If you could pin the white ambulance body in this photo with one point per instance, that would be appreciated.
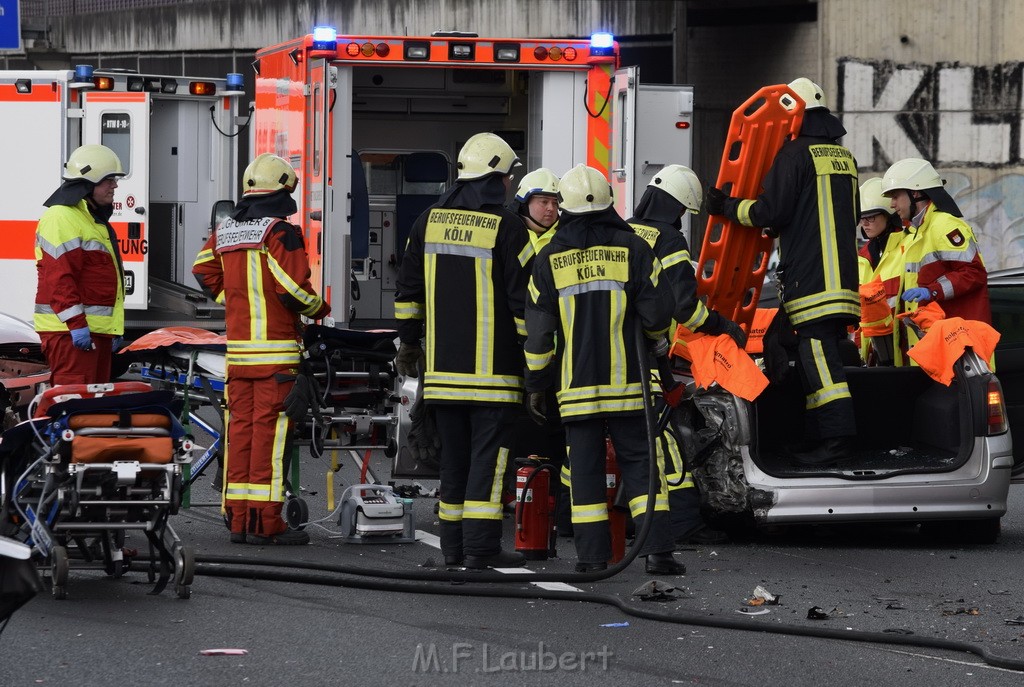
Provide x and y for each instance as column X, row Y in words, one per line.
column 173, row 136
column 373, row 126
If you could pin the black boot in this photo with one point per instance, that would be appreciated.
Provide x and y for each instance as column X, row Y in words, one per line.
column 832, row 451
column 663, row 563
column 502, row 559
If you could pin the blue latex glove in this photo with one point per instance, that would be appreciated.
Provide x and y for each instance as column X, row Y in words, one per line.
column 917, row 294
column 81, row 338
column 116, row 343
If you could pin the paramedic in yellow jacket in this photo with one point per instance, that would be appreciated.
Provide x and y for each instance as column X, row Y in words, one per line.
column 79, row 310
column 255, row 264
column 881, row 257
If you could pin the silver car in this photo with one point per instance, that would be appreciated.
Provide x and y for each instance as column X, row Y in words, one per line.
column 925, row 453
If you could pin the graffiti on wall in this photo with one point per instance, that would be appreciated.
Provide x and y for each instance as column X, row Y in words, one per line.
column 966, row 120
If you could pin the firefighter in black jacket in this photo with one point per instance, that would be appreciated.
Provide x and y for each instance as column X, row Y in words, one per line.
column 462, row 278
column 810, row 202
column 671, row 194
column 589, row 286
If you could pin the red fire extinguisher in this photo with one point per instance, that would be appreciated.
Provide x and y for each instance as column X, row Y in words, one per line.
column 535, row 509
column 616, row 518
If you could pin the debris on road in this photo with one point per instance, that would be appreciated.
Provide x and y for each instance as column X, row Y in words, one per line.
column 816, row 613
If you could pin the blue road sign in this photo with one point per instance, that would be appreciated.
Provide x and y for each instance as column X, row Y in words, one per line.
column 10, row 25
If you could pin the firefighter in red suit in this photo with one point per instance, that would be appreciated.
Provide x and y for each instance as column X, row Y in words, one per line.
column 79, row 309
column 255, row 263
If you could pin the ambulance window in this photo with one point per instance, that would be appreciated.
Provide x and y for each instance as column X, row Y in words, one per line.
column 395, row 174
column 115, row 133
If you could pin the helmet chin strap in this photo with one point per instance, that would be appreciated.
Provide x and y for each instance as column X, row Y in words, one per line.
column 543, row 226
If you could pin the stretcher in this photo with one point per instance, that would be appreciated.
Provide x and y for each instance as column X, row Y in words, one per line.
column 734, row 258
column 360, row 400
column 94, row 463
column 191, row 363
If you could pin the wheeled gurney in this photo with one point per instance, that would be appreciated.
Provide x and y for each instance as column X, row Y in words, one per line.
column 94, row 463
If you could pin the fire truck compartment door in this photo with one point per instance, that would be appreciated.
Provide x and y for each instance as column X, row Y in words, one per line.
column 120, row 121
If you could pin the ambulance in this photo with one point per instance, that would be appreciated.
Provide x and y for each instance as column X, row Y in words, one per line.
column 373, row 126
column 176, row 138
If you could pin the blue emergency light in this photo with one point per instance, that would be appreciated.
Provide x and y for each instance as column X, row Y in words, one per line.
column 602, row 44
column 234, row 85
column 325, row 38
column 82, row 77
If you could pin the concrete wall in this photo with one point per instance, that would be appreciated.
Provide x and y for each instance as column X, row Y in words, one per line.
column 944, row 85
column 253, row 24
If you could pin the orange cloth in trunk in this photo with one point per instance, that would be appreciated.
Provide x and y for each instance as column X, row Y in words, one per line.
column 719, row 359
column 945, row 343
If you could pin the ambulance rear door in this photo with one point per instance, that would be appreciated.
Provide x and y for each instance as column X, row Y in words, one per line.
column 337, row 238
column 120, row 121
column 651, row 128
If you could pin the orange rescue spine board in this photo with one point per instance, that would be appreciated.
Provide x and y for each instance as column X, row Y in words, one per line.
column 734, row 258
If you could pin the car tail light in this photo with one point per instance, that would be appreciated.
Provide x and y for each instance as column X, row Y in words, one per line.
column 996, row 408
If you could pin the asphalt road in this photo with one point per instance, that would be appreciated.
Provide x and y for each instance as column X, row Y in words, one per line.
column 879, row 581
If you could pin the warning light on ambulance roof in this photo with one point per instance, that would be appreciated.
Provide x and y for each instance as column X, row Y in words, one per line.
column 352, row 49
column 325, row 38
column 569, row 54
column 103, row 83
column 202, row 87
column 460, row 51
column 83, row 76
column 602, row 44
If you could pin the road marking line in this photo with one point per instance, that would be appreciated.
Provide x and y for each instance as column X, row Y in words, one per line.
column 435, row 541
column 951, row 660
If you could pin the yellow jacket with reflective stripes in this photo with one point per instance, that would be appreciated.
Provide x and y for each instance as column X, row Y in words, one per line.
column 80, row 282
column 263, row 281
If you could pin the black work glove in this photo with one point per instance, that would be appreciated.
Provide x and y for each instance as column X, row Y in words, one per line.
column 424, row 442
column 305, row 394
column 714, row 202
column 408, row 360
column 537, row 407
column 717, row 324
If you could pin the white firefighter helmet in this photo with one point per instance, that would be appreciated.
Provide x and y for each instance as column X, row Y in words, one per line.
column 809, row 92
column 94, row 163
column 541, row 181
column 682, row 184
column 871, row 199
column 910, row 174
column 584, row 189
column 267, row 174
column 485, row 154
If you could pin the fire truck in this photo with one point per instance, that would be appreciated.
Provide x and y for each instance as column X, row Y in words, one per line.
column 373, row 125
column 176, row 138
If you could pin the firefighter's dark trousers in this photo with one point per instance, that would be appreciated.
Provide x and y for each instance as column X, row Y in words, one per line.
column 585, row 441
column 828, row 404
column 475, row 441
